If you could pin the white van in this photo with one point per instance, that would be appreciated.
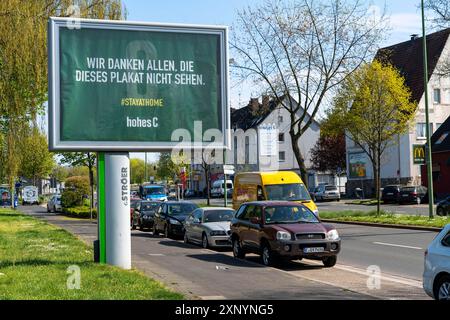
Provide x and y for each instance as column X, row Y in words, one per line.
column 218, row 188
column 30, row 195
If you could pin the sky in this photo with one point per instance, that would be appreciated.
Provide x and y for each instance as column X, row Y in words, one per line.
column 405, row 19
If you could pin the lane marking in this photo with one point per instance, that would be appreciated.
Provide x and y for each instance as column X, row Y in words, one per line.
column 156, row 254
column 397, row 245
column 212, row 298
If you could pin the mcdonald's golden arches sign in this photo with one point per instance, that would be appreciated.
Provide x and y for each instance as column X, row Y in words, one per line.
column 418, row 153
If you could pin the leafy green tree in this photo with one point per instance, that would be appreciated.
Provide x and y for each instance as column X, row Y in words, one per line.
column 23, row 66
column 75, row 190
column 169, row 166
column 35, row 159
column 372, row 107
column 137, row 168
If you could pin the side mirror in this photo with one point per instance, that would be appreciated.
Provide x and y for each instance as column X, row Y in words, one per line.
column 255, row 220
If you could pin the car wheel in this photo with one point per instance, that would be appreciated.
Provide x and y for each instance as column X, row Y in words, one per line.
column 205, row 244
column 440, row 212
column 267, row 255
column 442, row 288
column 329, row 261
column 238, row 252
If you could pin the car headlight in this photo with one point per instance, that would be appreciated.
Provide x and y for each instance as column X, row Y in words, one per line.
column 218, row 233
column 332, row 235
column 283, row 235
column 173, row 221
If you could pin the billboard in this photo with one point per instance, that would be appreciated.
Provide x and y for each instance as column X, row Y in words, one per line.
column 126, row 86
column 357, row 165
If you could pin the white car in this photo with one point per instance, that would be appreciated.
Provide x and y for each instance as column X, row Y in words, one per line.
column 54, row 204
column 436, row 275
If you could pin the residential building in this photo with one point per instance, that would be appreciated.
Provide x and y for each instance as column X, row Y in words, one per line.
column 397, row 165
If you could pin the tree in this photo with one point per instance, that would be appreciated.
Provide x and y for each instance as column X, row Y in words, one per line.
column 137, row 171
column 75, row 190
column 300, row 51
column 169, row 166
column 373, row 107
column 328, row 154
column 87, row 160
column 23, row 65
column 35, row 159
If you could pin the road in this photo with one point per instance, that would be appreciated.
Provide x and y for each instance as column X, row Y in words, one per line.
column 209, row 274
column 410, row 209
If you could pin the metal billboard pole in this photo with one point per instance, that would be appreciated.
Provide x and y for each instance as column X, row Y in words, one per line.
column 427, row 120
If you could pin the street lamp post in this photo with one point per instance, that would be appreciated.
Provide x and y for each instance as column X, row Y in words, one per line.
column 429, row 162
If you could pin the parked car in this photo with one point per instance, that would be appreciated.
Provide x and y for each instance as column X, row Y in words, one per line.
column 443, row 207
column 391, row 193
column 327, row 192
column 170, row 216
column 209, row 227
column 413, row 194
column 134, row 216
column 172, row 194
column 283, row 229
column 54, row 204
column 436, row 275
column 218, row 189
column 146, row 214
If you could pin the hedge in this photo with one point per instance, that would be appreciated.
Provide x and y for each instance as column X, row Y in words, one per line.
column 80, row 212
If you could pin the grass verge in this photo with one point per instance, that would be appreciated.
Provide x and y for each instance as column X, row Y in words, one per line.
column 385, row 218
column 34, row 261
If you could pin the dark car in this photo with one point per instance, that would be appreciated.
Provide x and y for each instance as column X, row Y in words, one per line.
column 134, row 216
column 170, row 217
column 146, row 214
column 443, row 207
column 391, row 193
column 413, row 194
column 287, row 230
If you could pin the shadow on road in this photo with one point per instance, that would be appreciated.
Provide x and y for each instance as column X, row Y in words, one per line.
column 225, row 260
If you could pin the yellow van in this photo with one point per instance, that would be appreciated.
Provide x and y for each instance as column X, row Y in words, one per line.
column 277, row 185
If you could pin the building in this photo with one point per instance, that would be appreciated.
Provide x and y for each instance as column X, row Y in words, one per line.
column 397, row 164
column 440, row 153
column 261, row 142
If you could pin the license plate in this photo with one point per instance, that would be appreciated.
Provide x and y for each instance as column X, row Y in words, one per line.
column 405, row 195
column 313, row 250
column 390, row 194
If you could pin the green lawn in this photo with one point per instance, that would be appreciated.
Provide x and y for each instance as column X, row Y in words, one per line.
column 35, row 256
column 385, row 217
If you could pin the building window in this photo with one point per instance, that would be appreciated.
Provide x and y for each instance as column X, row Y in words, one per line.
column 421, row 130
column 281, row 156
column 280, row 119
column 437, row 95
column 281, row 137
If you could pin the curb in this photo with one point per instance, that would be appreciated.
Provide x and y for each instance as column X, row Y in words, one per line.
column 383, row 225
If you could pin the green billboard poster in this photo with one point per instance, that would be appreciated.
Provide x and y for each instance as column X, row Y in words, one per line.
column 116, row 85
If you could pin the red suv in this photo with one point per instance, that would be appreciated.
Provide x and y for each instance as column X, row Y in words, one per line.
column 282, row 229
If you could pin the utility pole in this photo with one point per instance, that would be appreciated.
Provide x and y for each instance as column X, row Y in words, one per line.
column 427, row 120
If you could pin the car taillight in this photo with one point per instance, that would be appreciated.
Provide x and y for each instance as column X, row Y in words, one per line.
column 414, row 193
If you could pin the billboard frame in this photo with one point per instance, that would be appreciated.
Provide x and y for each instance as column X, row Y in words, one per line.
column 54, row 107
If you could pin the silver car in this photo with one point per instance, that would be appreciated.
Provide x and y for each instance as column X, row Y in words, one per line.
column 209, row 226
column 327, row 192
column 54, row 204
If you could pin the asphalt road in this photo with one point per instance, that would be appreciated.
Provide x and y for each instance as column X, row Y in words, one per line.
column 210, row 274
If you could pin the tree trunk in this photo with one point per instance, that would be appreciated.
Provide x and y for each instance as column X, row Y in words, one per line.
column 378, row 182
column 376, row 174
column 299, row 158
column 208, row 195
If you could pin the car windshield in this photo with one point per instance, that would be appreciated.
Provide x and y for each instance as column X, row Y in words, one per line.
column 291, row 192
column 154, row 190
column 289, row 214
column 218, row 215
column 149, row 206
column 180, row 209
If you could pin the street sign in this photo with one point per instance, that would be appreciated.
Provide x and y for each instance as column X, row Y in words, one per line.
column 418, row 153
column 127, row 86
